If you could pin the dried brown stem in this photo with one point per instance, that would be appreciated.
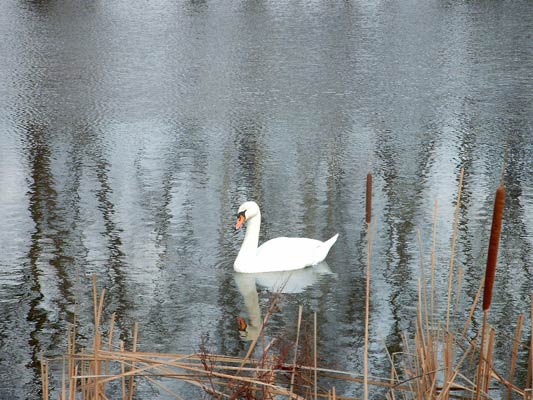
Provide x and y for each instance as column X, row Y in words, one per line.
column 514, row 356
column 454, row 239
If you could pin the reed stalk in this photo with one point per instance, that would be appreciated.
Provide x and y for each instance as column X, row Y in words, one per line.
column 71, row 350
column 422, row 282
column 514, row 354
column 530, row 363
column 433, row 256
column 448, row 384
column 44, row 378
column 63, row 378
column 315, row 355
column 459, row 287
column 529, row 377
column 109, row 345
column 367, row 300
column 454, row 240
column 97, row 305
column 132, row 368
column 123, row 373
column 296, row 349
column 474, row 305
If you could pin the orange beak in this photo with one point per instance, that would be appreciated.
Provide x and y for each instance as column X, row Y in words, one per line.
column 240, row 221
column 241, row 324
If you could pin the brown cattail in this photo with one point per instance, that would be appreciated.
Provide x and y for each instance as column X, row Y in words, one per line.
column 369, row 197
column 492, row 257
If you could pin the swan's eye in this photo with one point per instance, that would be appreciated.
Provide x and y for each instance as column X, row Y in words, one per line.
column 242, row 214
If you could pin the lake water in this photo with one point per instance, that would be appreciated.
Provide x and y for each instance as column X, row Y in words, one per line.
column 132, row 130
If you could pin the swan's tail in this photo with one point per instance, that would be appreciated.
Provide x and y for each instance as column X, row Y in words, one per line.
column 331, row 242
column 323, row 250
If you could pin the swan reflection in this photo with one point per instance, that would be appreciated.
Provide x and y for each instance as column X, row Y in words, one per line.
column 276, row 282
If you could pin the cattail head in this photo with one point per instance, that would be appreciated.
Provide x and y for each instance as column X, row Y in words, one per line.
column 369, row 198
column 494, row 243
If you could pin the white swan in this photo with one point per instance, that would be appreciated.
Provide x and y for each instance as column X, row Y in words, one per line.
column 280, row 254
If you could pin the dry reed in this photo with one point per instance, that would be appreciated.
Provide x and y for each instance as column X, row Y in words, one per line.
column 315, row 355
column 435, row 363
column 266, row 377
column 514, row 354
column 530, row 363
column 433, row 252
column 454, row 240
column 367, row 295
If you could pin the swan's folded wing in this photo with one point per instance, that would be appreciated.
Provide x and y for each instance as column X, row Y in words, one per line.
column 289, row 253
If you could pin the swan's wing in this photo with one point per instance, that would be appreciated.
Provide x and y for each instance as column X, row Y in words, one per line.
column 289, row 253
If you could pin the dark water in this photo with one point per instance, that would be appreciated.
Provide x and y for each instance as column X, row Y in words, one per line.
column 132, row 130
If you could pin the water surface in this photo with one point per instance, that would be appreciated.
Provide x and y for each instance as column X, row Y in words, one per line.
column 131, row 131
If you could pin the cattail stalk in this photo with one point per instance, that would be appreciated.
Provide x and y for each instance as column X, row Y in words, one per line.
column 490, row 272
column 369, row 198
column 367, row 303
column 489, row 362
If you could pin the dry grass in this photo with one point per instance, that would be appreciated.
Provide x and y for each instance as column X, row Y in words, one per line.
column 437, row 363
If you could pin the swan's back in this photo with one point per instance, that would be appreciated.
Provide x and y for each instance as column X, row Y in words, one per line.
column 285, row 254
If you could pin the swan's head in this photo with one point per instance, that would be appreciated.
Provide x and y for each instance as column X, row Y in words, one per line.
column 246, row 211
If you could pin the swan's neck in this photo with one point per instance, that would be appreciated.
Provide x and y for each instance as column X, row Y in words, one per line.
column 251, row 238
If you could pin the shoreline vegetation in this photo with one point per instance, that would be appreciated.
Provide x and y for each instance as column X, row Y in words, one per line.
column 437, row 361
